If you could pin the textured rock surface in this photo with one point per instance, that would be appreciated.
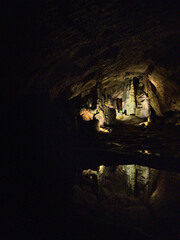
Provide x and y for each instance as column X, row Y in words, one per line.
column 129, row 98
column 70, row 45
column 142, row 100
column 110, row 115
column 57, row 55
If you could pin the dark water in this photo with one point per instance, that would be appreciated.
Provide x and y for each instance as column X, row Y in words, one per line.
column 155, row 146
column 151, row 212
column 42, row 164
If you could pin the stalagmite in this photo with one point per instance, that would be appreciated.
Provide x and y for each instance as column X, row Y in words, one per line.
column 130, row 104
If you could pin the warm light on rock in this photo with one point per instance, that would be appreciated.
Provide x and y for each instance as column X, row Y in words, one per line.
column 86, row 114
column 91, row 118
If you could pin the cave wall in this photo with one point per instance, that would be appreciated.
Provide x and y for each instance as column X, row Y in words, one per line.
column 64, row 47
column 142, row 102
column 58, row 51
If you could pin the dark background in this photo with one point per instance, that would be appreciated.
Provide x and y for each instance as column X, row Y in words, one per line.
column 37, row 168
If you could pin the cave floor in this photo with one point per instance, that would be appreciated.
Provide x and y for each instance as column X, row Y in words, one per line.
column 130, row 142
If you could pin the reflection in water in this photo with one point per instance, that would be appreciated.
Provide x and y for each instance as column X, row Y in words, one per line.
column 131, row 197
column 115, row 183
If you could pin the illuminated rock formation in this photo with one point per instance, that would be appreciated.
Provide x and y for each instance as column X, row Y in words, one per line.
column 71, row 67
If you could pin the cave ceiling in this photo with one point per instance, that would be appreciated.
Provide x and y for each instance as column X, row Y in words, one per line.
column 71, row 45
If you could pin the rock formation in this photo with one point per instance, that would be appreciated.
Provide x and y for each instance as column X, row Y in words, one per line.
column 90, row 83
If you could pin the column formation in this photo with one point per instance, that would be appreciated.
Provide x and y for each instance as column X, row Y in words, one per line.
column 132, row 102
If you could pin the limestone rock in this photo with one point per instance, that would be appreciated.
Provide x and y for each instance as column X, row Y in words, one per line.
column 110, row 115
column 129, row 98
column 143, row 105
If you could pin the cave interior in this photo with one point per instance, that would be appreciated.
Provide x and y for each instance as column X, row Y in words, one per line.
column 93, row 124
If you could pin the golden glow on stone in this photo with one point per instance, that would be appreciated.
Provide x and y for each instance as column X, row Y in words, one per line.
column 86, row 114
column 88, row 172
column 104, row 130
column 143, row 123
column 145, row 152
column 101, row 169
